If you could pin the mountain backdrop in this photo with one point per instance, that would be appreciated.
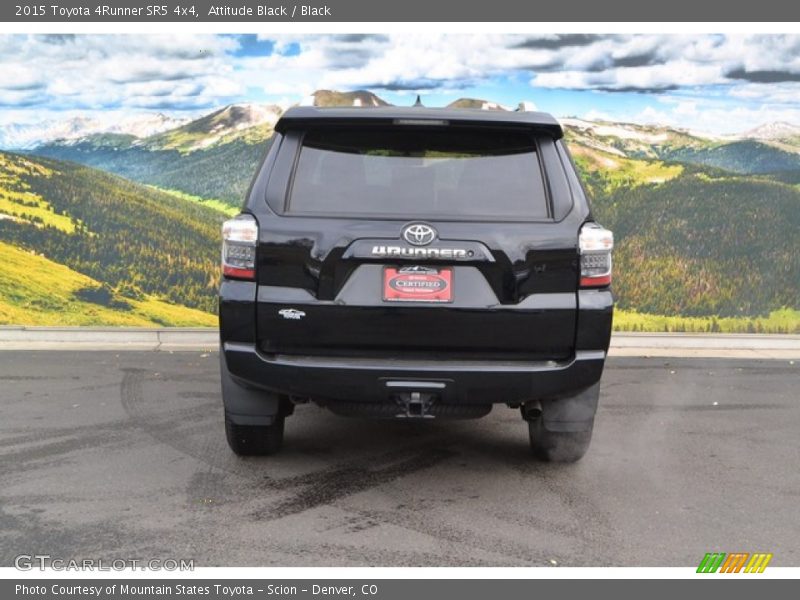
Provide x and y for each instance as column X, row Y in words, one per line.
column 707, row 227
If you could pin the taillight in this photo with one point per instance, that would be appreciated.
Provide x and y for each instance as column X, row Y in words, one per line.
column 239, row 238
column 596, row 244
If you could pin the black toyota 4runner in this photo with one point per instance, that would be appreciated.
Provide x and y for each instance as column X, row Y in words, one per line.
column 415, row 263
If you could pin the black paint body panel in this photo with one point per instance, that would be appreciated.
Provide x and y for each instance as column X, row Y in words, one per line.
column 518, row 327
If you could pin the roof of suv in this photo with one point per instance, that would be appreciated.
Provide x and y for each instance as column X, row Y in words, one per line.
column 307, row 115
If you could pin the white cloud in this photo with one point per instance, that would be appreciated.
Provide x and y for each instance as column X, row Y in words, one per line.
column 107, row 72
column 777, row 93
column 759, row 74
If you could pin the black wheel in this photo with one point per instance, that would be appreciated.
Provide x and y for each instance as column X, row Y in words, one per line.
column 558, row 446
column 255, row 440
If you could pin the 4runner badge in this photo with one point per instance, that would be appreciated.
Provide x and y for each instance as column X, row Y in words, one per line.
column 291, row 313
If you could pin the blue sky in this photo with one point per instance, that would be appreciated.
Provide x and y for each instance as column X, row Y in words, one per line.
column 714, row 83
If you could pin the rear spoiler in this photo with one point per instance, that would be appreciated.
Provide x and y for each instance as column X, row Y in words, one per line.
column 309, row 116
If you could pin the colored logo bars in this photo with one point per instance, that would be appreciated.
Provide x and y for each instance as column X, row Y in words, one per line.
column 735, row 562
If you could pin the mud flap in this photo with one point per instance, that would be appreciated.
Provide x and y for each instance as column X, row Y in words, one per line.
column 246, row 406
column 571, row 413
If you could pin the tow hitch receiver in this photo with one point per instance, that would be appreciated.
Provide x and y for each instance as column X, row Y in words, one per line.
column 415, row 398
column 415, row 404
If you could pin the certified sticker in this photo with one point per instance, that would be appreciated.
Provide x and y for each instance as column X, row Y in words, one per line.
column 418, row 284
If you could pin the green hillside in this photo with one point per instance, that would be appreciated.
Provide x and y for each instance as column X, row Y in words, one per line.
column 705, row 228
column 604, row 173
column 632, row 140
column 743, row 156
column 38, row 291
column 695, row 242
column 133, row 244
column 214, row 156
column 220, row 171
column 785, row 320
column 248, row 123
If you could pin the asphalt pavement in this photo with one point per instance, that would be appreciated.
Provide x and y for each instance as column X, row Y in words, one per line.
column 123, row 455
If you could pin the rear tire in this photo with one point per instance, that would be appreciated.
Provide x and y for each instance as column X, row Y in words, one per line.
column 255, row 440
column 558, row 446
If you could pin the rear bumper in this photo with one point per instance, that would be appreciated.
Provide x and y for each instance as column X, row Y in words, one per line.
column 372, row 380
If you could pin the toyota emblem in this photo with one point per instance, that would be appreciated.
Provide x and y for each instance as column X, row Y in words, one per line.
column 419, row 234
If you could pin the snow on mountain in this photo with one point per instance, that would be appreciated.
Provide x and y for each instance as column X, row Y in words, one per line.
column 625, row 131
column 209, row 129
column 773, row 131
column 145, row 125
column 19, row 136
column 25, row 136
column 655, row 134
column 219, row 126
column 361, row 98
column 243, row 116
column 477, row 103
column 235, row 118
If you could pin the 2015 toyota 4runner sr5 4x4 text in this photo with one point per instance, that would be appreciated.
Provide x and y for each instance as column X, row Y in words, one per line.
column 415, row 263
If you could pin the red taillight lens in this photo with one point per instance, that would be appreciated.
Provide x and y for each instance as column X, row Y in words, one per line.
column 239, row 239
column 595, row 244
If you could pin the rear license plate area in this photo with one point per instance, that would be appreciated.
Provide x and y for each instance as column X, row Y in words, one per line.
column 417, row 283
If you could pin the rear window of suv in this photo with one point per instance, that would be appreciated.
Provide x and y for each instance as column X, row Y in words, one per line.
column 418, row 172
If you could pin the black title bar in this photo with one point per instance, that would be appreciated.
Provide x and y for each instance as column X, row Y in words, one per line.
column 467, row 11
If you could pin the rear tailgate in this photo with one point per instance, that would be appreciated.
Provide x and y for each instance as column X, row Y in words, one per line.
column 339, row 227
column 501, row 306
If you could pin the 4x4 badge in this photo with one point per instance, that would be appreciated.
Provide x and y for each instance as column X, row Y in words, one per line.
column 419, row 234
column 291, row 313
